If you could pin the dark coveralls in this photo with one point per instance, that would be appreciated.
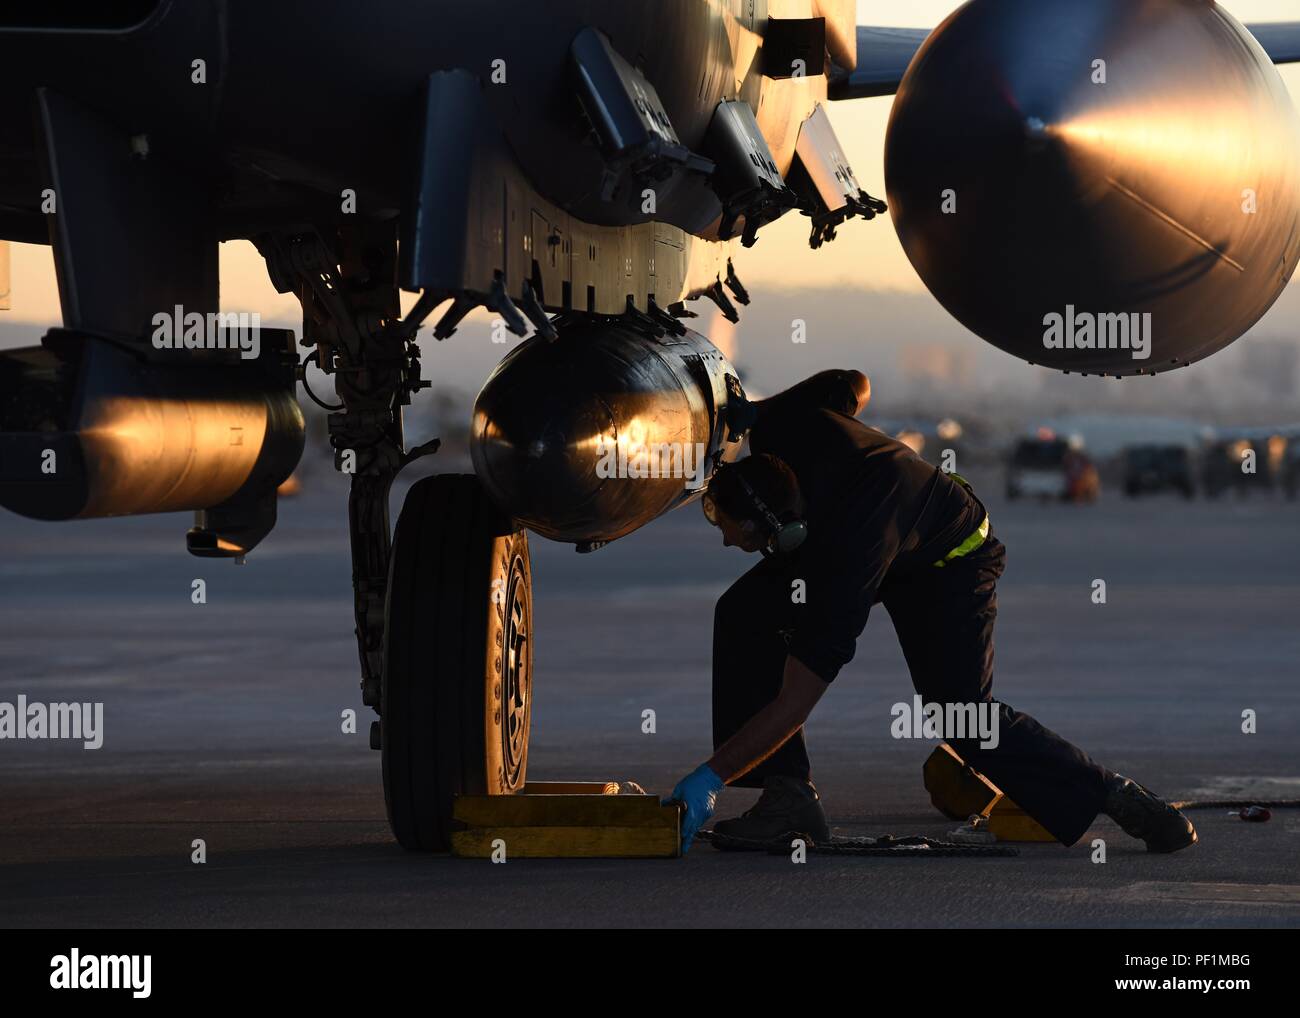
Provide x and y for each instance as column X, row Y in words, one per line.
column 879, row 517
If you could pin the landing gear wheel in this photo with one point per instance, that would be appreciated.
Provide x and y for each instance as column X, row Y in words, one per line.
column 458, row 658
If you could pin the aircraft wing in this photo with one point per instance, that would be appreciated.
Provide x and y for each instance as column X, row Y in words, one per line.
column 884, row 53
column 1281, row 40
column 883, row 56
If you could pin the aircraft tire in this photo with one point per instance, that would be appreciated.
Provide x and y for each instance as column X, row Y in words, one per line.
column 457, row 686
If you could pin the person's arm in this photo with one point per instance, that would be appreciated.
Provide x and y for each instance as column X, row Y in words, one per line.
column 760, row 737
column 766, row 732
column 846, row 391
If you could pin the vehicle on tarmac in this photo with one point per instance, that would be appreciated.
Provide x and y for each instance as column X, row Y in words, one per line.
column 1255, row 461
column 1291, row 470
column 1049, row 468
column 1152, row 469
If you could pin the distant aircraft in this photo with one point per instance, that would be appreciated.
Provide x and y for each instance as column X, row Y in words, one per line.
column 1109, row 187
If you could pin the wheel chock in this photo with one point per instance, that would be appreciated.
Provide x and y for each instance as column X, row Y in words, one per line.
column 566, row 820
column 1011, row 823
column 570, row 788
column 958, row 791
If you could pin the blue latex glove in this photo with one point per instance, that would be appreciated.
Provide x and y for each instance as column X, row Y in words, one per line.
column 699, row 791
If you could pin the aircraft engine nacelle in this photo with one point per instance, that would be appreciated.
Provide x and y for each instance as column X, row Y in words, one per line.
column 1110, row 187
column 90, row 427
column 592, row 435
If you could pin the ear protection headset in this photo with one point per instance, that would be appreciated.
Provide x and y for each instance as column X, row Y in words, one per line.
column 783, row 538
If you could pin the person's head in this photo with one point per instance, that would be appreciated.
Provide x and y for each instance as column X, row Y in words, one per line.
column 739, row 493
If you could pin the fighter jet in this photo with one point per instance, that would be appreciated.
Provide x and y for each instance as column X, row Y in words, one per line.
column 1108, row 187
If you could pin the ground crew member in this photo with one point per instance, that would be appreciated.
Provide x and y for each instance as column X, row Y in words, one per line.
column 861, row 519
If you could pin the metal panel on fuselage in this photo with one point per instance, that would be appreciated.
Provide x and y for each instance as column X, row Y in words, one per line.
column 300, row 101
column 323, row 95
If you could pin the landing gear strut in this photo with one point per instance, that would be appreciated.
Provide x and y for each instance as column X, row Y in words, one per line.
column 443, row 609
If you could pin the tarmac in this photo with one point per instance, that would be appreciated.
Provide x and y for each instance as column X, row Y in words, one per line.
column 223, row 722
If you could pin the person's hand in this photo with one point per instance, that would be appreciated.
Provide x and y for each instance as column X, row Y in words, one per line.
column 698, row 791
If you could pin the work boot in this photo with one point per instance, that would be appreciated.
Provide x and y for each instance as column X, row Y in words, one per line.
column 1144, row 816
column 788, row 805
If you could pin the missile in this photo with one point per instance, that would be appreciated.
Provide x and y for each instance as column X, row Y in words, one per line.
column 1060, row 171
column 587, row 437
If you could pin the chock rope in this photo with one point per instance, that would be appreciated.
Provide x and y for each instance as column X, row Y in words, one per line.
column 915, row 846
column 918, row 847
column 1236, row 803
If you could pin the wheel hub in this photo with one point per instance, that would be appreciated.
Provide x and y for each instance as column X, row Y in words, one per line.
column 516, row 680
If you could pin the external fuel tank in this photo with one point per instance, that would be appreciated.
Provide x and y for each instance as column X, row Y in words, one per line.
column 1110, row 187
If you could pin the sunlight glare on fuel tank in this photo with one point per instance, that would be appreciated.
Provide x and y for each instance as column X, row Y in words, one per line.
column 1110, row 187
column 591, row 436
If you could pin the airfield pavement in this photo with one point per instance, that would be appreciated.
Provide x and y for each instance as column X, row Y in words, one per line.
column 222, row 723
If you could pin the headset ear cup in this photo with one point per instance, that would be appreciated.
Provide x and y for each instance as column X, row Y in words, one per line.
column 791, row 535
